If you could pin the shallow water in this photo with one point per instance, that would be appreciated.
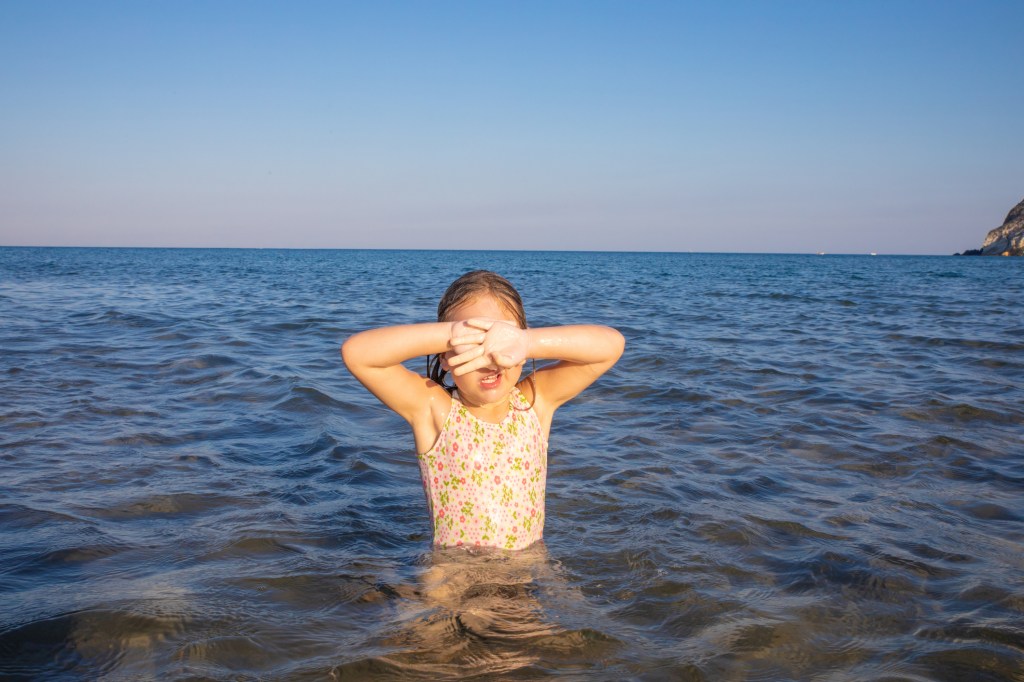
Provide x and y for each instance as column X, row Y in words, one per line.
column 803, row 468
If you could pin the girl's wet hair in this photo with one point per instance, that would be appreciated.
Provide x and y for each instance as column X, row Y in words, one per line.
column 464, row 289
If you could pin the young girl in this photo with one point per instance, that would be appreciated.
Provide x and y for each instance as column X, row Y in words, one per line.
column 483, row 442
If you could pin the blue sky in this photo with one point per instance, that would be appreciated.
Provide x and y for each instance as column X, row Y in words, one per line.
column 768, row 126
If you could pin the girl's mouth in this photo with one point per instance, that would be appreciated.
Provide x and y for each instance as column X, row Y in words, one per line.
column 491, row 381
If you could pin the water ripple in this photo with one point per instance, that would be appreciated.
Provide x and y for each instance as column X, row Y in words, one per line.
column 803, row 468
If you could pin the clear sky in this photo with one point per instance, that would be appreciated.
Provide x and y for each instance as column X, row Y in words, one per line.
column 766, row 126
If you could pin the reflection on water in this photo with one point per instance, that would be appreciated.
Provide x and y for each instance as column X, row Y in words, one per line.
column 483, row 612
column 803, row 468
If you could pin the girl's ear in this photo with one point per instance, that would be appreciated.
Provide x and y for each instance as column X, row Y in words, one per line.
column 444, row 362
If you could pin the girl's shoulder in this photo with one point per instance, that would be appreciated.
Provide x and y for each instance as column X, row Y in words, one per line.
column 527, row 390
column 532, row 401
column 440, row 401
column 426, row 428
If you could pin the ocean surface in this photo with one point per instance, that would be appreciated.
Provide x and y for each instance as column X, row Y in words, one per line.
column 803, row 468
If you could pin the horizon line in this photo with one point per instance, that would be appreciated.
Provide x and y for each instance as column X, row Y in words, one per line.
column 343, row 248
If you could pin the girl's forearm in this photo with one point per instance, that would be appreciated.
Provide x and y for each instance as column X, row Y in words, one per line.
column 389, row 346
column 585, row 344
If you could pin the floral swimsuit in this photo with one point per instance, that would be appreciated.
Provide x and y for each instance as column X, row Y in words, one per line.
column 485, row 482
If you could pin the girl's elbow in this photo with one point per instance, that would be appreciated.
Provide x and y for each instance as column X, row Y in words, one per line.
column 350, row 351
column 617, row 342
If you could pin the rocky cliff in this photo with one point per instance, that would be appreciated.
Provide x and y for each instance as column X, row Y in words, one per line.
column 1007, row 240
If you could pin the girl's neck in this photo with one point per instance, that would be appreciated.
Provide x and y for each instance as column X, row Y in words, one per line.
column 493, row 413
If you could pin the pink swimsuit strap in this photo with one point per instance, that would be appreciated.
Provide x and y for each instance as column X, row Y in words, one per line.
column 485, row 482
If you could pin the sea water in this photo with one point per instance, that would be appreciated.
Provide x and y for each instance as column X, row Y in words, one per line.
column 803, row 468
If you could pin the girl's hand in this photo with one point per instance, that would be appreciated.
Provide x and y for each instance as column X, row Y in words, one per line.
column 465, row 337
column 505, row 343
column 491, row 343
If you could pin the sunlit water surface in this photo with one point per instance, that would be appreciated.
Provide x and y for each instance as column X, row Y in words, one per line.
column 803, row 468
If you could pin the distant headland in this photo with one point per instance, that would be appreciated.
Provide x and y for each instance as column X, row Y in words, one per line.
column 1006, row 240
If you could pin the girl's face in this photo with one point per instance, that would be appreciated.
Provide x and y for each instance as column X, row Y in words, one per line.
column 488, row 385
